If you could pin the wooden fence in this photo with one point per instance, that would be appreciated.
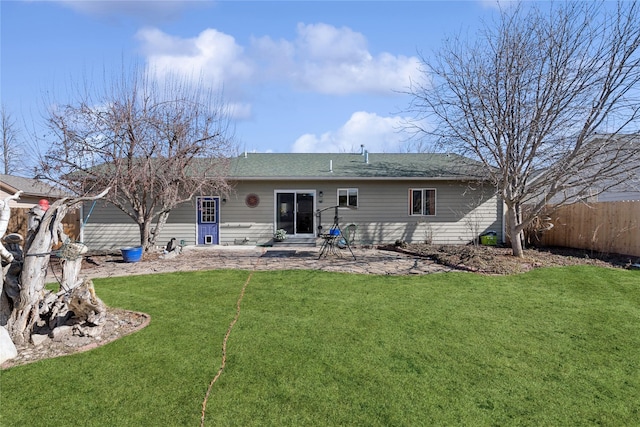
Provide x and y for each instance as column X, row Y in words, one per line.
column 604, row 227
column 19, row 219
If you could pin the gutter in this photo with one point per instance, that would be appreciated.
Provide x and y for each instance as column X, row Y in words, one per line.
column 362, row 178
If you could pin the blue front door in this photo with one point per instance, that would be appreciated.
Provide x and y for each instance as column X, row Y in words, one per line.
column 208, row 220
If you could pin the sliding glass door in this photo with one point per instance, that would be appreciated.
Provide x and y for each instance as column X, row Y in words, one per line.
column 295, row 212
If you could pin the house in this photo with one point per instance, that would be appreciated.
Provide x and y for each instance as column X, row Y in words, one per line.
column 440, row 198
column 628, row 185
column 33, row 191
column 611, row 174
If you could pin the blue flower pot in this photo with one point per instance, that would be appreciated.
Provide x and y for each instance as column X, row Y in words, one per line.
column 133, row 254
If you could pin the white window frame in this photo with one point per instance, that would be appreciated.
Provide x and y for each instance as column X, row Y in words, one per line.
column 348, row 191
column 207, row 211
column 424, row 198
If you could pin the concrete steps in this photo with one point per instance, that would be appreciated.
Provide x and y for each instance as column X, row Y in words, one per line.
column 296, row 242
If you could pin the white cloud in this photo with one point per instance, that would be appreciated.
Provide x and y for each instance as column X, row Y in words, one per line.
column 328, row 44
column 239, row 110
column 212, row 57
column 322, row 59
column 377, row 134
column 332, row 60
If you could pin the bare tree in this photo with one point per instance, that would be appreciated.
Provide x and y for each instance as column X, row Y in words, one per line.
column 542, row 97
column 157, row 144
column 10, row 149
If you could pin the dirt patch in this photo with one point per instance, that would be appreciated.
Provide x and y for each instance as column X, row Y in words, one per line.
column 499, row 260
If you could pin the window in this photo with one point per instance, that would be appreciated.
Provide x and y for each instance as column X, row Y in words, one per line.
column 422, row 201
column 207, row 211
column 348, row 197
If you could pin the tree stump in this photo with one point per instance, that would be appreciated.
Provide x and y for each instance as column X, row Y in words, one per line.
column 86, row 306
column 35, row 307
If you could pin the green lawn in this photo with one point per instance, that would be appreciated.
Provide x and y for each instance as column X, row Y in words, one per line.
column 550, row 347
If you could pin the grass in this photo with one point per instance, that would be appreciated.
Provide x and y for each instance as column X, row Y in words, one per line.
column 550, row 347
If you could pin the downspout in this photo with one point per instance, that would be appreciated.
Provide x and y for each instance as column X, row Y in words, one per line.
column 81, row 233
column 504, row 222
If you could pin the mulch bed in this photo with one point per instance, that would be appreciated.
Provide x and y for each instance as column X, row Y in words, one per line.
column 499, row 260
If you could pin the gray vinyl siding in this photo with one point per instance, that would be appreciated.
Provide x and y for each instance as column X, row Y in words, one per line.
column 108, row 228
column 242, row 224
column 382, row 215
column 181, row 224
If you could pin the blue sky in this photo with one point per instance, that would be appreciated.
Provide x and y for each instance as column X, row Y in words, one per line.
column 300, row 76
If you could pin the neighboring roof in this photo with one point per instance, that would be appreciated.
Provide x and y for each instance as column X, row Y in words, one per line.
column 30, row 187
column 272, row 166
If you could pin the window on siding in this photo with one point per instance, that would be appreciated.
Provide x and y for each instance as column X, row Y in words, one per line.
column 422, row 201
column 348, row 197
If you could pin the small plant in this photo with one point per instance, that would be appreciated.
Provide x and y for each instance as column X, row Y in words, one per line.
column 428, row 232
column 400, row 244
column 280, row 234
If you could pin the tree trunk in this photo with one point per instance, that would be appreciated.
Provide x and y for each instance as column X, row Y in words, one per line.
column 34, row 271
column 148, row 234
column 514, row 232
column 162, row 220
column 33, row 305
column 145, row 234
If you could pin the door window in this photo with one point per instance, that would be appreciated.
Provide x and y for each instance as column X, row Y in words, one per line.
column 207, row 211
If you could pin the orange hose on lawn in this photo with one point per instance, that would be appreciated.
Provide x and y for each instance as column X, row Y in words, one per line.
column 224, row 348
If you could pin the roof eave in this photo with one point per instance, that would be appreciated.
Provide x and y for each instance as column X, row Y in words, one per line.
column 8, row 188
column 359, row 178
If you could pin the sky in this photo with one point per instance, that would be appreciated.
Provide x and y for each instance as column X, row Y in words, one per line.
column 298, row 76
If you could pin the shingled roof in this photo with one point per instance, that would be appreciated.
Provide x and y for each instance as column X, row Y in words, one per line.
column 272, row 166
column 30, row 187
